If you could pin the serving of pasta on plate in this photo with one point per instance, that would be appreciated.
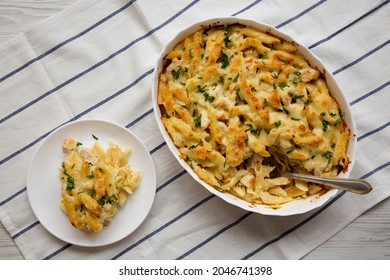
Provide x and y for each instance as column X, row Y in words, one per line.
column 95, row 183
column 232, row 97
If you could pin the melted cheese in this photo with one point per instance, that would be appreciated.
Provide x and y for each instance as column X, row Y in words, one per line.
column 95, row 183
column 229, row 94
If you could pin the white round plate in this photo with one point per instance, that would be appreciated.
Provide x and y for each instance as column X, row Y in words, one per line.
column 44, row 188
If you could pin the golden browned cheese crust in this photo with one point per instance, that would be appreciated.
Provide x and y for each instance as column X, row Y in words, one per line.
column 95, row 183
column 232, row 96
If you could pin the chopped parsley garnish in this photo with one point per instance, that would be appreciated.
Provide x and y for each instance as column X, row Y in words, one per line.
column 265, row 103
column 295, row 80
column 289, row 151
column 175, row 74
column 338, row 121
column 228, row 42
column 94, row 137
column 308, row 101
column 275, row 76
column 295, row 119
column 219, row 188
column 278, row 123
column 197, row 120
column 296, row 96
column 286, row 111
column 202, row 89
column 250, row 128
column 325, row 125
column 92, row 193
column 102, row 201
column 90, row 176
column 194, row 146
column 228, row 28
column 238, row 97
column 283, row 85
column 69, row 179
column 69, row 184
column 225, row 60
column 208, row 97
column 112, row 199
column 79, row 143
column 284, row 61
column 187, row 159
column 328, row 155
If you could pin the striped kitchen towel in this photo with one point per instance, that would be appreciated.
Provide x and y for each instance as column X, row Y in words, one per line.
column 95, row 59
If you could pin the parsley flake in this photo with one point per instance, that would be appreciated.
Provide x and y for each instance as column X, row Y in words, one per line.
column 225, row 60
column 175, row 74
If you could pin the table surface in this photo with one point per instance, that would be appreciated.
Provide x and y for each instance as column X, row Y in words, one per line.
column 368, row 237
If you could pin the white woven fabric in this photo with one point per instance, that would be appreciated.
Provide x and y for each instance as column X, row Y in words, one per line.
column 95, row 60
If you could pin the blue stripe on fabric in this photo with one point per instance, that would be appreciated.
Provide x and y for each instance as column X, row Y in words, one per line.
column 247, row 8
column 140, row 118
column 25, row 230
column 174, row 178
column 163, row 226
column 17, row 70
column 300, row 14
column 158, row 148
column 239, row 220
column 13, row 196
column 93, row 67
column 116, row 94
column 373, row 131
column 78, row 116
column 369, row 94
column 348, row 25
column 361, row 58
column 375, row 170
column 57, row 252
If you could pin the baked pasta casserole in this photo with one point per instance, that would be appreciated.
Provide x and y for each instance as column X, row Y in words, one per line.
column 232, row 98
column 95, row 183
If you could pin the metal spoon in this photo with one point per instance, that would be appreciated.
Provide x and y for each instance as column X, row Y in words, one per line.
column 357, row 186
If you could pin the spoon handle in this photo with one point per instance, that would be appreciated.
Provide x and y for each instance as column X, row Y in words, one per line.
column 353, row 185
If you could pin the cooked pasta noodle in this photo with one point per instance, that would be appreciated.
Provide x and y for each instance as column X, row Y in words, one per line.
column 95, row 183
